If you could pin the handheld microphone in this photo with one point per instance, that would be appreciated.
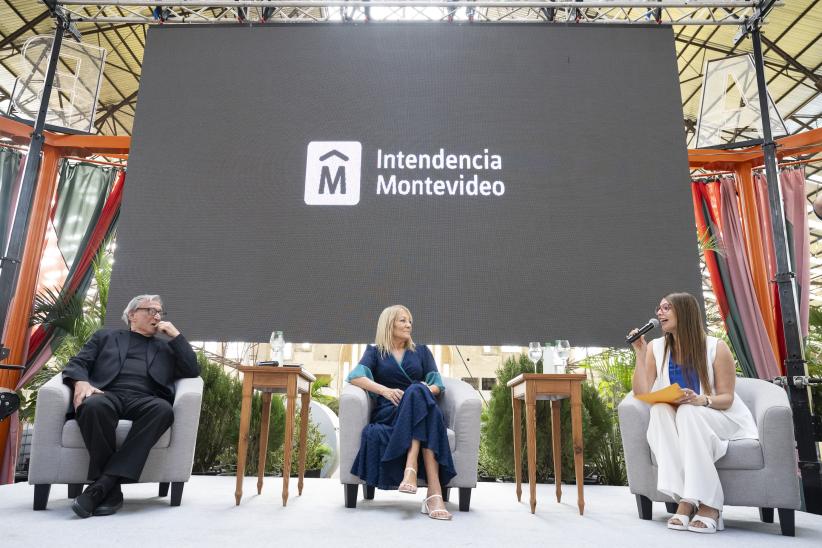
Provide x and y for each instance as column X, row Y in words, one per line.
column 652, row 323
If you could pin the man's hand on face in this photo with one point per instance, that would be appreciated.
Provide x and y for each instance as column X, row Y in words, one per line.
column 83, row 390
column 167, row 328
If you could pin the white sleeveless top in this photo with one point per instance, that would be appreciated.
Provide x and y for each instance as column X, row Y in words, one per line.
column 738, row 412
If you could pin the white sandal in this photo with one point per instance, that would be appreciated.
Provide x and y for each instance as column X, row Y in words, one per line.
column 711, row 525
column 441, row 513
column 406, row 487
column 684, row 520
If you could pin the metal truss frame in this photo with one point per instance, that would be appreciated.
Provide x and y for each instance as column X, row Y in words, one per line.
column 663, row 12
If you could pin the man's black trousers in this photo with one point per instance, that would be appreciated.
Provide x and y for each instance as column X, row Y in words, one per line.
column 97, row 417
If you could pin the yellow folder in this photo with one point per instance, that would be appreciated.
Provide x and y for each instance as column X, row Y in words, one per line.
column 669, row 394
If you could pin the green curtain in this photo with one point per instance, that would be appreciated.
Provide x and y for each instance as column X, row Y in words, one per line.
column 81, row 194
column 46, row 338
column 10, row 161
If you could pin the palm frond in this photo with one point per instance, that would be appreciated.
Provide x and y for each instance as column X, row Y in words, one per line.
column 102, row 266
column 707, row 242
column 55, row 309
column 30, row 391
column 815, row 318
column 613, row 370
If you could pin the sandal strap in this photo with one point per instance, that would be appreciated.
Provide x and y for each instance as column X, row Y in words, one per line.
column 409, row 468
column 709, row 522
column 433, row 497
column 683, row 518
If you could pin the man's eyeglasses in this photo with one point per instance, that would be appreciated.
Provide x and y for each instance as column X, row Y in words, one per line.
column 153, row 311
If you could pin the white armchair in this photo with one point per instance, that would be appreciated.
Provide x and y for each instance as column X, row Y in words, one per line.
column 59, row 455
column 461, row 407
column 761, row 473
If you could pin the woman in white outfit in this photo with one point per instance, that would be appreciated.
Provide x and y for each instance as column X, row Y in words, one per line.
column 687, row 438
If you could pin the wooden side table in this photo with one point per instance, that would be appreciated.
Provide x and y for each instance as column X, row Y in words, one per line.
column 291, row 381
column 554, row 387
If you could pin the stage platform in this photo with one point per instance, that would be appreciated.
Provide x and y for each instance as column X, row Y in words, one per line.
column 208, row 517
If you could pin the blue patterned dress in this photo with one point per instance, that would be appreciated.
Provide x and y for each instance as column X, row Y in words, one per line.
column 387, row 438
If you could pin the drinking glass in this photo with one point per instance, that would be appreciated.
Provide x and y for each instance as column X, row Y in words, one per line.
column 563, row 351
column 535, row 354
column 548, row 365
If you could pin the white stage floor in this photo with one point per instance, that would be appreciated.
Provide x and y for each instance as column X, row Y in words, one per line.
column 208, row 517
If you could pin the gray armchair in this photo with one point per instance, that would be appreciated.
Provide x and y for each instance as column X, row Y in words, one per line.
column 58, row 454
column 461, row 407
column 760, row 473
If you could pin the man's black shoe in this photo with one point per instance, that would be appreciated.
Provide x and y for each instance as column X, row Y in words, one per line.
column 91, row 498
column 110, row 504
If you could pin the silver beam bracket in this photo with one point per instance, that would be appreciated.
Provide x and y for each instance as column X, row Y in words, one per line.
column 801, row 381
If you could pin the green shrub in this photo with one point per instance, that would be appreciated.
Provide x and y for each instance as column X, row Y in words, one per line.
column 219, row 429
column 316, row 452
column 216, row 416
column 329, row 401
column 497, row 430
column 496, row 435
column 489, row 466
column 813, row 354
column 610, row 461
column 613, row 370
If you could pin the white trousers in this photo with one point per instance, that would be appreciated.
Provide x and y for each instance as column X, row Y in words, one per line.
column 686, row 442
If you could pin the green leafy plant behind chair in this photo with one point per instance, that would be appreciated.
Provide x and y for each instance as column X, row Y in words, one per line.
column 331, row 402
column 813, row 354
column 74, row 318
column 216, row 449
column 316, row 452
column 612, row 371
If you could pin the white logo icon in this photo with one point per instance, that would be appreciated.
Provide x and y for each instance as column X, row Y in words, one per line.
column 332, row 173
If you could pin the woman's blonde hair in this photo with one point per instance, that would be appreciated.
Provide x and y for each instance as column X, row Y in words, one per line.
column 689, row 344
column 385, row 326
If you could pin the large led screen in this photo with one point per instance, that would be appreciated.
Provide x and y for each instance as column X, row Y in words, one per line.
column 508, row 183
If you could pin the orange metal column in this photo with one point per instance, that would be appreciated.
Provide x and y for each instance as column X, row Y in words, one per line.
column 17, row 326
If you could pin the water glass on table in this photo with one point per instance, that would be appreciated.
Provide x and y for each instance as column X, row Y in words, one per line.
column 535, row 354
column 563, row 351
column 548, row 360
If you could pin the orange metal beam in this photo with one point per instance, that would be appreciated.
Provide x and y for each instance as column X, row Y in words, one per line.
column 86, row 145
column 68, row 145
column 19, row 132
column 808, row 142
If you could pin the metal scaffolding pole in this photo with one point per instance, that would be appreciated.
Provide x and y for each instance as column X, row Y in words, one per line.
column 796, row 369
column 747, row 13
column 17, row 237
column 664, row 12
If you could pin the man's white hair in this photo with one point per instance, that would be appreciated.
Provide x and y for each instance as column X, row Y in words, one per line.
column 135, row 302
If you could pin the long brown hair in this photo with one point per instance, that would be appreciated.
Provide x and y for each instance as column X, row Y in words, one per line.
column 689, row 345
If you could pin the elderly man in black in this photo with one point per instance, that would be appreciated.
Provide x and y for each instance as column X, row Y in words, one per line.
column 125, row 374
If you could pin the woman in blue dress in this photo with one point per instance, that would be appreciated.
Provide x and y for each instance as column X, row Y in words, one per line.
column 406, row 427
